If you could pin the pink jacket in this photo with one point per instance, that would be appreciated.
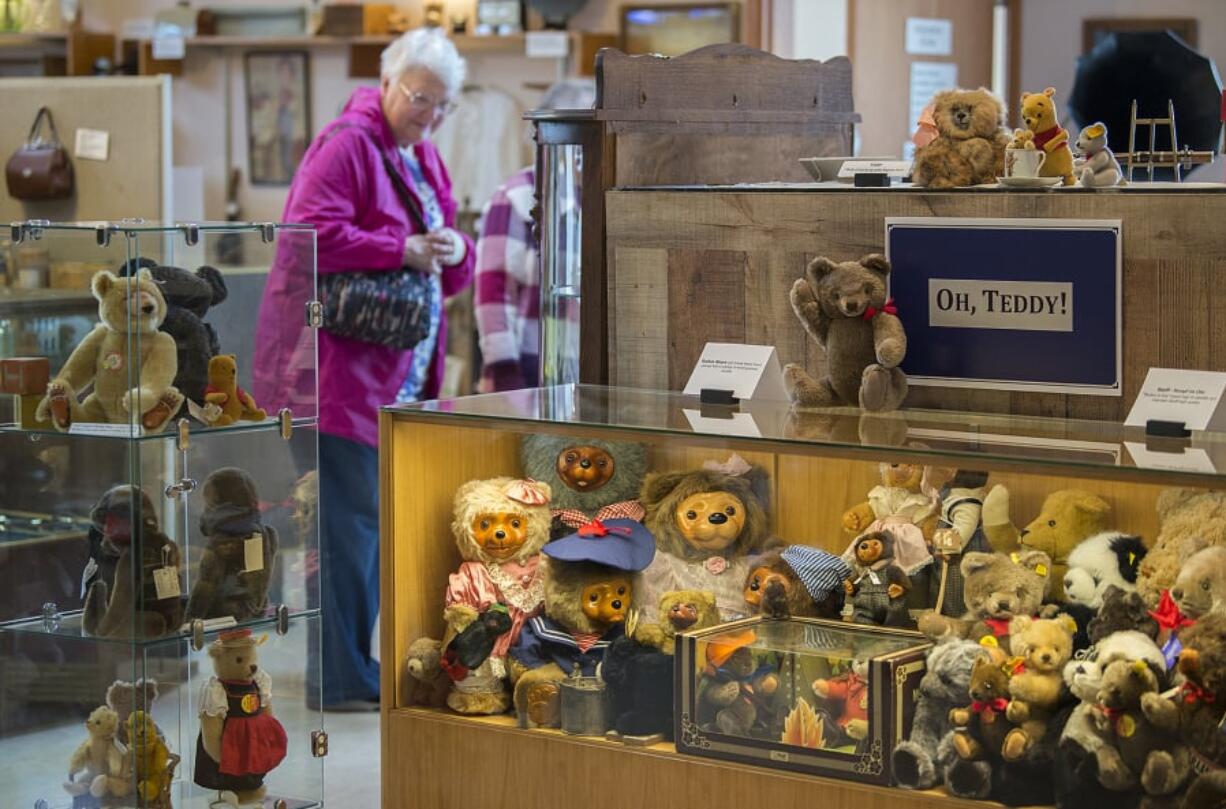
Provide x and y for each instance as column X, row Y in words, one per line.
column 342, row 189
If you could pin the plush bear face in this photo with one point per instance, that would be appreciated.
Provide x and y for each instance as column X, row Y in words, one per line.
column 129, row 304
column 124, row 697
column 102, row 723
column 1123, row 682
column 902, row 475
column 1189, row 520
column 223, row 371
column 230, row 486
column 1122, row 610
column 423, row 659
column 687, row 609
column 585, row 468
column 762, row 577
column 234, row 661
column 1067, row 517
column 606, row 602
column 872, row 548
column 1022, row 139
column 1045, row 644
column 847, row 289
column 965, row 114
column 1201, row 585
column 1039, row 110
column 711, row 521
column 947, row 675
column 996, row 586
column 741, row 663
column 988, row 682
column 586, row 474
column 1203, row 659
column 1092, row 139
column 116, row 511
column 585, row 596
column 496, row 520
column 142, row 732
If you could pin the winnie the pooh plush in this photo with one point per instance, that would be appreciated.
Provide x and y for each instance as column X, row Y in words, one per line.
column 1067, row 517
column 1096, row 166
column 130, row 363
column 590, row 479
column 240, row 740
column 970, row 145
column 223, row 392
column 706, row 524
column 1041, row 648
column 844, row 308
column 1039, row 115
column 96, row 768
column 149, row 758
column 588, row 593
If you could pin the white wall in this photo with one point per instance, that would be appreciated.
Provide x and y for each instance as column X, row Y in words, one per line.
column 819, row 29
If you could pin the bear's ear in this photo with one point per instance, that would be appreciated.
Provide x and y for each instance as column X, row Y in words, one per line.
column 659, row 485
column 1092, row 505
column 1068, row 622
column 1049, row 92
column 877, row 263
column 150, row 688
column 975, row 562
column 820, row 267
column 103, row 283
column 233, row 357
column 1035, row 561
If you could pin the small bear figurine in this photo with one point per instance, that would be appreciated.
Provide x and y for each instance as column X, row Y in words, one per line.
column 1039, row 115
column 1022, row 139
column 847, row 695
column 732, row 685
column 844, row 308
column 425, row 682
column 223, row 393
column 1097, row 166
column 96, row 767
column 877, row 587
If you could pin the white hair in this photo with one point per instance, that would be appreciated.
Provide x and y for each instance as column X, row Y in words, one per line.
column 429, row 49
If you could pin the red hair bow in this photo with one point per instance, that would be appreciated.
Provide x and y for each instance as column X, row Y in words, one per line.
column 997, row 705
column 596, row 528
column 1168, row 615
column 889, row 308
column 1193, row 693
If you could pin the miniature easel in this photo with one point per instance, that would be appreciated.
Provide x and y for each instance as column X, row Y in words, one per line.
column 1176, row 158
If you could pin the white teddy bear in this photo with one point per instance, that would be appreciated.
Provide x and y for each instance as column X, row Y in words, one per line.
column 1097, row 166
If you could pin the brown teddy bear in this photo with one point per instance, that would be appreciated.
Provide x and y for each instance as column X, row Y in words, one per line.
column 96, row 767
column 706, row 523
column 1188, row 521
column 425, row 682
column 1134, row 751
column 1041, row 648
column 877, row 587
column 1039, row 115
column 239, row 551
column 797, row 581
column 1201, row 584
column 130, row 363
column 997, row 587
column 1067, row 517
column 732, row 685
column 844, row 308
column 982, row 726
column 240, row 740
column 123, row 698
column 590, row 479
column 969, row 148
column 232, row 402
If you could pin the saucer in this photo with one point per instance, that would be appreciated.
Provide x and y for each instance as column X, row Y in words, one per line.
column 1030, row 182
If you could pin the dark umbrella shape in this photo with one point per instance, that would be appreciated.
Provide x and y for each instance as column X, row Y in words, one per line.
column 556, row 12
column 1152, row 67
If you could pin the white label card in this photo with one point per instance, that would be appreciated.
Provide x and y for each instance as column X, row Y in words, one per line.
column 100, row 428
column 253, row 553
column 739, row 424
column 92, row 144
column 1193, row 397
column 166, row 581
column 930, row 37
column 1190, row 459
column 894, row 168
column 1020, row 305
column 546, row 44
column 169, row 45
column 750, row 372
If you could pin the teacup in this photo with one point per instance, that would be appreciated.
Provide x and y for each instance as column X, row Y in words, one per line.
column 1024, row 162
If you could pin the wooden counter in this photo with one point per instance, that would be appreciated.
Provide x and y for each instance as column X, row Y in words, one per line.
column 686, row 266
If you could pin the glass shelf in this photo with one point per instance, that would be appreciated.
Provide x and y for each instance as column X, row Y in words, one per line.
column 123, row 432
column 69, row 627
column 153, row 226
column 1059, row 445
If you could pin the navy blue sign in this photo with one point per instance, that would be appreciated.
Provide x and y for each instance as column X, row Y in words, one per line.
column 1025, row 304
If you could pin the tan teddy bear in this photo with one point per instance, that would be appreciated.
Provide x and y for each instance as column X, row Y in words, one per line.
column 1043, row 647
column 844, row 308
column 99, row 761
column 970, row 145
column 1067, row 517
column 997, row 588
column 1040, row 117
column 130, row 363
column 223, row 392
column 1022, row 139
column 1188, row 520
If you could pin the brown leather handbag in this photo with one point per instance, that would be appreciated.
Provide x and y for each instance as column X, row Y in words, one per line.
column 40, row 169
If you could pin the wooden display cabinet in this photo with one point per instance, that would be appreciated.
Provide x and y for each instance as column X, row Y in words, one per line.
column 819, row 466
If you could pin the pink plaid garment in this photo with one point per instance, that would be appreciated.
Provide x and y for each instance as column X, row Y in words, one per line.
column 508, row 287
column 626, row 509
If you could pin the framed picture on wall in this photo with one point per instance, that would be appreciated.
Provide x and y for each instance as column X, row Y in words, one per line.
column 671, row 30
column 278, row 114
column 1094, row 31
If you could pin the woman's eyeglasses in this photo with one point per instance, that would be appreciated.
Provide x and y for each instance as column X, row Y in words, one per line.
column 421, row 101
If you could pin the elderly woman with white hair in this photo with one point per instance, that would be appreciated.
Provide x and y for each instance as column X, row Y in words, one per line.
column 380, row 199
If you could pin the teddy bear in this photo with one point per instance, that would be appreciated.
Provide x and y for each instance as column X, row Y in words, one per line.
column 639, row 669
column 124, row 697
column 1109, row 559
column 232, row 403
column 240, row 740
column 588, row 592
column 1066, row 518
column 239, row 550
column 982, row 725
column 733, row 684
column 1022, row 139
column 499, row 526
column 425, row 682
column 1121, row 610
column 919, row 760
column 1134, row 750
column 970, row 145
column 996, row 588
column 877, row 587
column 1039, row 115
column 130, row 363
column 1096, row 166
column 798, row 581
column 188, row 298
column 1201, row 584
column 844, row 308
column 96, row 767
column 590, row 479
column 149, row 758
column 1042, row 647
column 707, row 523
column 112, row 514
column 1188, row 520
column 846, row 695
column 148, row 607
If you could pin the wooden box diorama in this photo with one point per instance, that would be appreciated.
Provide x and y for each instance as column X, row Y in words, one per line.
column 801, row 694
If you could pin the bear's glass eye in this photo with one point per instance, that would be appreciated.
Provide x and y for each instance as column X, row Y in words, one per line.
column 1204, row 585
column 602, row 463
column 731, row 511
column 514, row 523
column 621, row 591
column 570, row 457
column 868, row 288
column 1021, row 592
column 1051, row 523
column 691, row 514
column 676, row 608
column 593, row 598
column 485, row 524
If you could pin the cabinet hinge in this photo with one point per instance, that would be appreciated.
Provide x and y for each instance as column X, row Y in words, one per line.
column 314, row 314
column 286, row 417
column 319, row 743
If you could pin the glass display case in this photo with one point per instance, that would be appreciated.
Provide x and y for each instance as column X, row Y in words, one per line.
column 813, row 480
column 159, row 562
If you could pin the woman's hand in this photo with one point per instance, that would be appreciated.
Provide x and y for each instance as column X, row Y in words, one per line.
column 423, row 251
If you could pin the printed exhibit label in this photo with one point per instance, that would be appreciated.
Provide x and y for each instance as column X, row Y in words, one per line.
column 1021, row 305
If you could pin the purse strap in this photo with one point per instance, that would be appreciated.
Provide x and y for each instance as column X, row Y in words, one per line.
column 37, row 125
column 402, row 188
